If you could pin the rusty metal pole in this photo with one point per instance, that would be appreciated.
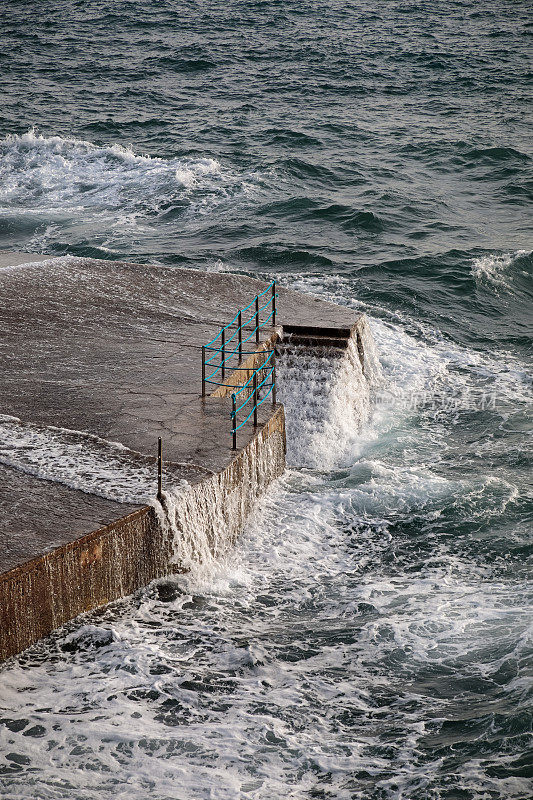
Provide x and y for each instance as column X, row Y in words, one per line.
column 257, row 320
column 159, row 470
column 239, row 322
column 273, row 376
column 273, row 304
column 255, row 399
column 203, row 370
column 223, row 353
column 234, row 418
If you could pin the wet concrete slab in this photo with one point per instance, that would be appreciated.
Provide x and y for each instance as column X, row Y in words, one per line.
column 39, row 515
column 113, row 349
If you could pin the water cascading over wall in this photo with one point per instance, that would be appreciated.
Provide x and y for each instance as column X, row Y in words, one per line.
column 195, row 523
column 327, row 394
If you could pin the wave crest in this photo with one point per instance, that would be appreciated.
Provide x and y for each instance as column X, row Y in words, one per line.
column 494, row 268
column 116, row 192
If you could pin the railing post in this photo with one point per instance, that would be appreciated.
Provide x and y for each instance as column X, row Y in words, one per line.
column 273, row 377
column 223, row 353
column 255, row 399
column 257, row 320
column 239, row 322
column 159, row 469
column 234, row 418
column 274, row 304
column 203, row 370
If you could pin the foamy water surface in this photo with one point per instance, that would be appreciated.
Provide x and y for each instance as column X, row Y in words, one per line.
column 370, row 636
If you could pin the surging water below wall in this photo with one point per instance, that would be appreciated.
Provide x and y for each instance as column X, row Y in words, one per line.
column 195, row 524
column 327, row 394
column 327, row 391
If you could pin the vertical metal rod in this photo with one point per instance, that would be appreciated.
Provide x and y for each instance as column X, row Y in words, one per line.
column 239, row 322
column 159, row 469
column 223, row 351
column 257, row 320
column 255, row 399
column 274, row 377
column 234, row 418
column 274, row 304
column 203, row 370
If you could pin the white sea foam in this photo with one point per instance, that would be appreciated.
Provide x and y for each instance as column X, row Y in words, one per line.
column 492, row 269
column 78, row 460
column 342, row 648
column 306, row 660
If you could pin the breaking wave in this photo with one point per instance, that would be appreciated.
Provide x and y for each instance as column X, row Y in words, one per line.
column 495, row 269
column 54, row 185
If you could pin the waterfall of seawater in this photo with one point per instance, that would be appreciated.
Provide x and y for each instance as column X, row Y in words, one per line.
column 327, row 397
column 203, row 521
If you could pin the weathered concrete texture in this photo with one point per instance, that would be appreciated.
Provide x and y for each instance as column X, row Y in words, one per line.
column 41, row 595
column 69, row 515
column 113, row 349
column 112, row 562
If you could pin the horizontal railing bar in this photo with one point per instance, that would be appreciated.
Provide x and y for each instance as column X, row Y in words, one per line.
column 245, row 369
column 257, row 327
column 234, row 430
column 233, row 352
column 222, row 363
column 222, row 345
column 266, row 395
column 250, row 352
column 235, row 386
column 244, row 421
column 227, row 385
column 259, row 310
column 262, row 366
column 250, row 396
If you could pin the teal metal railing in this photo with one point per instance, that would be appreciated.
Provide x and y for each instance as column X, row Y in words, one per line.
column 219, row 352
column 252, row 389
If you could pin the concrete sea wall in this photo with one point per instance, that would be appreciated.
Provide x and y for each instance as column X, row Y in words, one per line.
column 119, row 367
column 115, row 561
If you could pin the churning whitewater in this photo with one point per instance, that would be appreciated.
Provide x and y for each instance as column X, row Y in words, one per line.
column 369, row 637
column 329, row 643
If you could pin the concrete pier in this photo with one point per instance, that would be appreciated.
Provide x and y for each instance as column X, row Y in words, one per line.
column 113, row 350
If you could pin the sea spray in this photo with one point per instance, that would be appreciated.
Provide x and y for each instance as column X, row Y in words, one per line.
column 493, row 269
column 327, row 395
column 202, row 521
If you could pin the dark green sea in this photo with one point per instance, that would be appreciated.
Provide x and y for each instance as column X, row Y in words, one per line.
column 370, row 638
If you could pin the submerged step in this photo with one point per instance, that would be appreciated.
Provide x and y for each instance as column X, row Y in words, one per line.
column 317, row 336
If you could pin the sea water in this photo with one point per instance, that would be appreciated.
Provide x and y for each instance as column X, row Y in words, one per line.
column 370, row 635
